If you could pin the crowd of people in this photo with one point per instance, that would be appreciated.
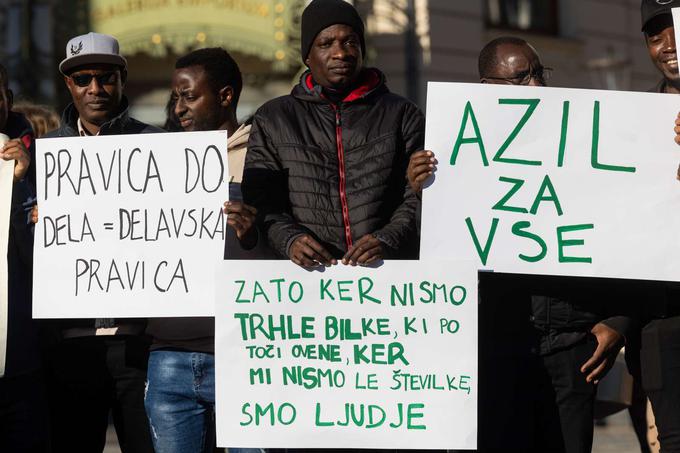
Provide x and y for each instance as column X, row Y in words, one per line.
column 331, row 174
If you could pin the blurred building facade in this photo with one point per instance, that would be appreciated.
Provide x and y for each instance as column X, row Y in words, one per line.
column 589, row 43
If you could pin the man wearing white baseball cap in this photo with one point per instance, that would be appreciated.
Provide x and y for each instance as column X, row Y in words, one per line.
column 97, row 366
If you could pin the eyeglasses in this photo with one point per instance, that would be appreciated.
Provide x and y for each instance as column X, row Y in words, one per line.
column 106, row 78
column 541, row 74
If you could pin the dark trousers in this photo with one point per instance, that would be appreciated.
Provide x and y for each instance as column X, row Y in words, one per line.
column 538, row 404
column 660, row 369
column 24, row 420
column 527, row 402
column 90, row 377
column 564, row 421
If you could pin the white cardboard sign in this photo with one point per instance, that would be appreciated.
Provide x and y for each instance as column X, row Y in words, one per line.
column 6, row 180
column 130, row 225
column 350, row 357
column 553, row 181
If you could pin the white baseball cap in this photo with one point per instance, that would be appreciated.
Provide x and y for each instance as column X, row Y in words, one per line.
column 91, row 48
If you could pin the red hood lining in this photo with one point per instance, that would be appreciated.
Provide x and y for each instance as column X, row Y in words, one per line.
column 368, row 80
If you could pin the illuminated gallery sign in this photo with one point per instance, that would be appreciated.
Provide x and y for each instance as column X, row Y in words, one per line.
column 261, row 28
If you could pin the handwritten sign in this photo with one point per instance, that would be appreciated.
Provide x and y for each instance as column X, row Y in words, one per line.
column 553, row 181
column 130, row 225
column 347, row 358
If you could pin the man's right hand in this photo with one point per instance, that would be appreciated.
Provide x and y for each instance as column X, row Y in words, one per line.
column 240, row 216
column 305, row 251
column 420, row 167
column 16, row 150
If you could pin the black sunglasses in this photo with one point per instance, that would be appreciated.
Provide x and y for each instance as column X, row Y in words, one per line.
column 106, row 78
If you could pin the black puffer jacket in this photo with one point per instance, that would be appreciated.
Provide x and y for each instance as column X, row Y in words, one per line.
column 335, row 170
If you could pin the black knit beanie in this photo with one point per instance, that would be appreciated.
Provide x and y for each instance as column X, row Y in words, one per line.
column 321, row 14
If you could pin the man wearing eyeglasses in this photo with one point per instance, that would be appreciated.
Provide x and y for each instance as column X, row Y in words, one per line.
column 512, row 61
column 97, row 365
column 551, row 339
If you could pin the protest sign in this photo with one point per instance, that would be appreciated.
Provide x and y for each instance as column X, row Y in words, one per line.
column 350, row 357
column 6, row 180
column 553, row 181
column 130, row 225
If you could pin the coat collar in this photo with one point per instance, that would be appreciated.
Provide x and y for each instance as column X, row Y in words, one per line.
column 370, row 81
column 116, row 125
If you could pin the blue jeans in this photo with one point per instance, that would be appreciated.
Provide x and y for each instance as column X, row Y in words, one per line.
column 180, row 402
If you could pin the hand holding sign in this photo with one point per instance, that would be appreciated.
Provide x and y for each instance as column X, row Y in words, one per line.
column 241, row 217
column 305, row 251
column 421, row 166
column 365, row 251
column 16, row 150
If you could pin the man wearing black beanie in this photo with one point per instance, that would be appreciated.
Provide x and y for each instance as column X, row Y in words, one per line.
column 321, row 14
column 326, row 164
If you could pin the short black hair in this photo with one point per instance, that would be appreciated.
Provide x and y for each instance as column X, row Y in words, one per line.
column 488, row 57
column 219, row 66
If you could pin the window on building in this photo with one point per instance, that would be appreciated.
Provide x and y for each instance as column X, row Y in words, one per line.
column 538, row 16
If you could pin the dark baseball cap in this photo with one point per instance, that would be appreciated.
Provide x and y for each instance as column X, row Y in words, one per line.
column 653, row 8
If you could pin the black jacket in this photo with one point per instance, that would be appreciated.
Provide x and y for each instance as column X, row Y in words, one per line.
column 22, row 331
column 335, row 170
column 564, row 309
column 121, row 124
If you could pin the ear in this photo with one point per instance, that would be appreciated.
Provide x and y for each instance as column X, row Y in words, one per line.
column 226, row 95
column 307, row 61
column 123, row 76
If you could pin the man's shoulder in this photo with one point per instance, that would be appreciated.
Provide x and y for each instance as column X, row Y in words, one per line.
column 394, row 100
column 134, row 126
column 61, row 131
column 660, row 87
column 52, row 134
column 276, row 104
column 17, row 125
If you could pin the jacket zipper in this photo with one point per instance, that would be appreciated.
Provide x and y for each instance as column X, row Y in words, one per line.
column 341, row 169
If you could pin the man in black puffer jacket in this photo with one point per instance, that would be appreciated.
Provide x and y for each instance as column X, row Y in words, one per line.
column 326, row 164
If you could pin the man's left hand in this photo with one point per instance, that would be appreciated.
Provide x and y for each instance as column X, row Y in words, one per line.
column 365, row 251
column 15, row 150
column 609, row 343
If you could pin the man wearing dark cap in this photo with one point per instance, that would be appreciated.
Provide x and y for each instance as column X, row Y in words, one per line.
column 659, row 354
column 326, row 164
column 97, row 365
